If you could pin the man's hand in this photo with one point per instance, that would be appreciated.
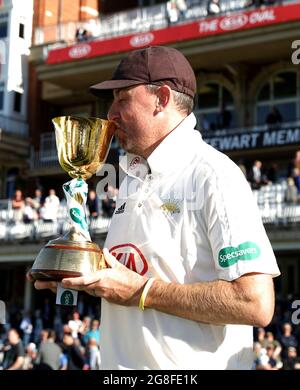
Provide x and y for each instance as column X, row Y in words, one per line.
column 116, row 284
column 41, row 284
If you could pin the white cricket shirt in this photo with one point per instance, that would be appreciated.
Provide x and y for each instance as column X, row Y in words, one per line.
column 193, row 219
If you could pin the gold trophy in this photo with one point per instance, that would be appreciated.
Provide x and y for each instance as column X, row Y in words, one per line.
column 82, row 145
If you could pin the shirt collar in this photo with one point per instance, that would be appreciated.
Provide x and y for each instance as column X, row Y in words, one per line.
column 134, row 165
column 168, row 155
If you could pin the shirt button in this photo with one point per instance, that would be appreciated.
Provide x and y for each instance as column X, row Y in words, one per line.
column 150, row 177
column 146, row 191
column 140, row 205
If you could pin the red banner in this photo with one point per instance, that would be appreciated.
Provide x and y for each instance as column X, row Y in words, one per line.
column 211, row 26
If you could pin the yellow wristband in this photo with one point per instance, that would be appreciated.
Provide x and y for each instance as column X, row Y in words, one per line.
column 145, row 292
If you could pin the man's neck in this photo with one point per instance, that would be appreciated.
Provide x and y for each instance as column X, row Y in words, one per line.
column 164, row 131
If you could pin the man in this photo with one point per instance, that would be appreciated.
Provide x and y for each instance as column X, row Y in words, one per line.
column 198, row 265
column 274, row 119
column 13, row 352
column 213, row 7
column 296, row 172
column 49, row 352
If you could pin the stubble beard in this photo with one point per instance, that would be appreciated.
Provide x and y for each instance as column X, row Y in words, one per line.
column 126, row 144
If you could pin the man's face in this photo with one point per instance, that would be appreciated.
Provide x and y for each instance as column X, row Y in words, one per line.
column 133, row 112
column 13, row 337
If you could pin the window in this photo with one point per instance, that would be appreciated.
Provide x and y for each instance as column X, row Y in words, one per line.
column 3, row 29
column 1, row 99
column 18, row 102
column 215, row 108
column 281, row 91
column 1, row 96
column 21, row 30
column 48, row 147
column 265, row 93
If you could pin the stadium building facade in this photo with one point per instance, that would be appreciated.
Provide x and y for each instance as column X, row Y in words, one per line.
column 15, row 41
column 247, row 63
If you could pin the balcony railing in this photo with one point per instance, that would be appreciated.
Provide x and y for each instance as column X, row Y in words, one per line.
column 46, row 157
column 279, row 135
column 136, row 20
column 13, row 126
column 275, row 211
column 43, row 159
column 132, row 21
column 39, row 230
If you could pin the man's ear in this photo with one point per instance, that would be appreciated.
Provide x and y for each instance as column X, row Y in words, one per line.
column 163, row 97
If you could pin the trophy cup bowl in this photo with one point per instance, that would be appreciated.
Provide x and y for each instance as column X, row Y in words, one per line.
column 82, row 146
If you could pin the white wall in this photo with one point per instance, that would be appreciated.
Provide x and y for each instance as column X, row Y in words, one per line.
column 15, row 71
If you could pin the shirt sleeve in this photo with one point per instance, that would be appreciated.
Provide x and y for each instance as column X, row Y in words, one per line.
column 235, row 230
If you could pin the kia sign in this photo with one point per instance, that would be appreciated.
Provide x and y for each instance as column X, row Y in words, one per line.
column 236, row 22
column 239, row 21
column 79, row 51
column 233, row 22
column 141, row 40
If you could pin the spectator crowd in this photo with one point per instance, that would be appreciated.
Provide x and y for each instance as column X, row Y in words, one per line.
column 43, row 217
column 277, row 347
column 42, row 342
column 29, row 209
column 73, row 341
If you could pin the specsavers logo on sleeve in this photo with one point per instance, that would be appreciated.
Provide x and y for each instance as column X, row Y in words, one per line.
column 231, row 255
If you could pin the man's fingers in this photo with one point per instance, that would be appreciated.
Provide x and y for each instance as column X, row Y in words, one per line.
column 110, row 259
column 80, row 282
column 93, row 289
column 42, row 285
column 29, row 276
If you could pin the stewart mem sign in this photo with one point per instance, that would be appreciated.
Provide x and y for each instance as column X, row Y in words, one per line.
column 253, row 140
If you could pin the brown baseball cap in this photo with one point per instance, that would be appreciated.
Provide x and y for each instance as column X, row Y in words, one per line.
column 158, row 65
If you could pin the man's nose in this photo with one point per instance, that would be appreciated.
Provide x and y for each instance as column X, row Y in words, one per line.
column 112, row 112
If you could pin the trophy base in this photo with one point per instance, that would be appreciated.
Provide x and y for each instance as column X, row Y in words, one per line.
column 62, row 258
column 52, row 275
